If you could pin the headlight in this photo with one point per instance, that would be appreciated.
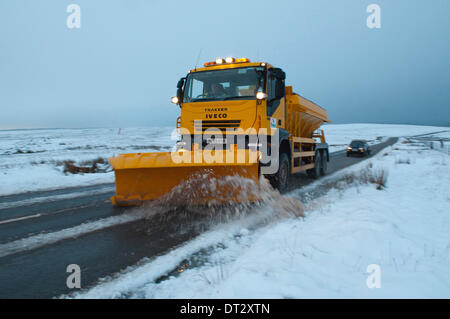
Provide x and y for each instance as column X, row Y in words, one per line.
column 229, row 60
column 174, row 100
column 261, row 95
column 219, row 61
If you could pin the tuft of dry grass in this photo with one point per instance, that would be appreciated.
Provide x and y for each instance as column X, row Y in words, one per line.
column 380, row 178
column 98, row 160
column 403, row 161
column 19, row 151
column 38, row 163
column 367, row 175
column 85, row 167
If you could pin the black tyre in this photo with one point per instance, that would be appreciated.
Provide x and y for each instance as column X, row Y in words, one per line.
column 315, row 172
column 323, row 163
column 280, row 180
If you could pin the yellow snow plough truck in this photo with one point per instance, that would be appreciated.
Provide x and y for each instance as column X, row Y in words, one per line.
column 238, row 122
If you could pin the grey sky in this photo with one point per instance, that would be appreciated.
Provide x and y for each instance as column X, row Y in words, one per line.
column 120, row 69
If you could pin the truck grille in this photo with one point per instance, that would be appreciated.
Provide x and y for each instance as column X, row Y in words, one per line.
column 222, row 125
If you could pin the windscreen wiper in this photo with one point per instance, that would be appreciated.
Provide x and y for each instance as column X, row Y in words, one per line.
column 198, row 100
column 236, row 97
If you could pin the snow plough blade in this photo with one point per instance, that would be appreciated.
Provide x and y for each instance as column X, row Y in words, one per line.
column 146, row 177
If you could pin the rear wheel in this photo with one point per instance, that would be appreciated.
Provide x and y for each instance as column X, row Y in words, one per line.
column 323, row 163
column 315, row 172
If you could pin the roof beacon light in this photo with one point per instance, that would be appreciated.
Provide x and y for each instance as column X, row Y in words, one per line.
column 242, row 60
column 227, row 60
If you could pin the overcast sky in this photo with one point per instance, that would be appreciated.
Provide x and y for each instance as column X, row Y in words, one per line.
column 121, row 67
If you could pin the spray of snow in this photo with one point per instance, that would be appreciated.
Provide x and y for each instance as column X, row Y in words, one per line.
column 202, row 202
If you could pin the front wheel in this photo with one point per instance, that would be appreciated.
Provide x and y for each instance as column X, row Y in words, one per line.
column 281, row 178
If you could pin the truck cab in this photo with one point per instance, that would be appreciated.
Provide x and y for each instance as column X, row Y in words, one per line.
column 230, row 94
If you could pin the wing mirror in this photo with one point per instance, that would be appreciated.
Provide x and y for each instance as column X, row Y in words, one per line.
column 279, row 74
column 177, row 99
column 180, row 83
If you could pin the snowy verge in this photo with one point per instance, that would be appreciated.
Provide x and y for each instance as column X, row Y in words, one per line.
column 45, row 177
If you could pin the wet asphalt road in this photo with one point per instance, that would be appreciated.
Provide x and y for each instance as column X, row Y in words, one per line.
column 41, row 272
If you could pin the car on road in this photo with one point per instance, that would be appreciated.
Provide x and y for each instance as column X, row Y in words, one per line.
column 359, row 147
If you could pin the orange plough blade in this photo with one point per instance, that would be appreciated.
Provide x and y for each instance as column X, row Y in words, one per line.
column 146, row 177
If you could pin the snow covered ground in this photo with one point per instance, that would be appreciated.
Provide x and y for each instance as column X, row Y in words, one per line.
column 33, row 159
column 339, row 135
column 396, row 238
column 438, row 141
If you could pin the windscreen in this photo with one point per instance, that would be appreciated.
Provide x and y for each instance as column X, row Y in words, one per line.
column 228, row 84
column 357, row 144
